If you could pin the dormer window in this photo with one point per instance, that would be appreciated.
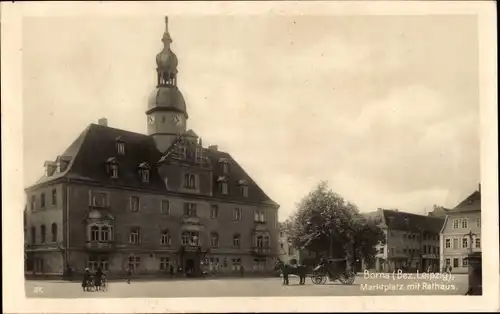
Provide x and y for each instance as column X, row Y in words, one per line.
column 199, row 155
column 50, row 168
column 181, row 150
column 144, row 171
column 62, row 163
column 190, row 181
column 244, row 187
column 223, row 186
column 224, row 164
column 120, row 146
column 112, row 167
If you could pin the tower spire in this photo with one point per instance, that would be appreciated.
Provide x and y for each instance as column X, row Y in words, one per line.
column 166, row 39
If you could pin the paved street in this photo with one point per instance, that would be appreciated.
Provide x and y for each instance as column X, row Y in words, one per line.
column 250, row 287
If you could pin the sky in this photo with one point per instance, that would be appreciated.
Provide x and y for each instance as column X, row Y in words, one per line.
column 385, row 108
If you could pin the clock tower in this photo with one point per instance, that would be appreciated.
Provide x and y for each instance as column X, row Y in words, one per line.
column 166, row 113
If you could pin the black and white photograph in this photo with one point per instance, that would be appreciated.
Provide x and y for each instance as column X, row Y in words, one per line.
column 277, row 154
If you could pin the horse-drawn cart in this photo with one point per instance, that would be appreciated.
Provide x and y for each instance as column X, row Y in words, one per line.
column 333, row 270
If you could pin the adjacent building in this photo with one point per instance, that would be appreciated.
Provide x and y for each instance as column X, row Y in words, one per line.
column 122, row 200
column 461, row 233
column 290, row 254
column 412, row 241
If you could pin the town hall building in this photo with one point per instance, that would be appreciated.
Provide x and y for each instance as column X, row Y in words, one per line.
column 122, row 200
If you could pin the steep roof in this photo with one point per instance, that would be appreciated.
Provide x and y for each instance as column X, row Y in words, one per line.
column 397, row 220
column 89, row 152
column 471, row 203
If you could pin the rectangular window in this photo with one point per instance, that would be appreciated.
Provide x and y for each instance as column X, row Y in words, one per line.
column 236, row 264
column 465, row 223
column 134, row 204
column 165, row 238
column 120, row 148
column 182, row 151
column 455, row 244
column 134, row 262
column 447, row 243
column 190, row 210
column 165, row 207
column 114, row 170
column 455, row 262
column 236, row 241
column 164, row 263
column 225, row 167
column 134, row 236
column 244, row 190
column 465, row 262
column 144, row 173
column 94, row 262
column 99, row 199
column 199, row 155
column 42, row 200
column 478, row 243
column 224, row 188
column 282, row 245
column 189, row 181
column 237, row 213
column 214, row 211
column 465, row 243
column 455, row 224
column 33, row 203
column 54, row 197
column 448, row 262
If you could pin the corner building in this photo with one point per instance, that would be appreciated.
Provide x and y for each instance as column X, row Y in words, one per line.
column 118, row 199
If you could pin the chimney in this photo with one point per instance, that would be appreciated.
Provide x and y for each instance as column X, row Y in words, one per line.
column 103, row 122
column 479, row 189
column 213, row 148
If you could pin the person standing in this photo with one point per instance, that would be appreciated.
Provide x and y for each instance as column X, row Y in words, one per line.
column 171, row 269
column 87, row 277
column 98, row 278
column 129, row 274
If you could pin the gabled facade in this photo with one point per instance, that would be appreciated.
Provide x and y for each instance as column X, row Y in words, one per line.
column 461, row 233
column 116, row 199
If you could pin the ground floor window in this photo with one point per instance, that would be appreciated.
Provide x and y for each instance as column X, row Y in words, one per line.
column 448, row 262
column 259, row 264
column 465, row 262
column 94, row 262
column 134, row 262
column 164, row 263
column 455, row 262
column 236, row 264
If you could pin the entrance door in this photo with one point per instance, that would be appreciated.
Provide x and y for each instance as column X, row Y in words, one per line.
column 189, row 266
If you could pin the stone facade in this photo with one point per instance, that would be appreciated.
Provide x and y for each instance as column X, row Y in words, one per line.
column 150, row 203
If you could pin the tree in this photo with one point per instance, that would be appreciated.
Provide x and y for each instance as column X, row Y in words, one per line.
column 325, row 222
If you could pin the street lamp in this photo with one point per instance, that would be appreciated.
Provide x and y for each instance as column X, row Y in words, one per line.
column 469, row 236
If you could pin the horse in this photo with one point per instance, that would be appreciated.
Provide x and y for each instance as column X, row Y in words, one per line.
column 286, row 270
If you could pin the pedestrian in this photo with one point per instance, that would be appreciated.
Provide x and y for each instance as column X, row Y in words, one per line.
column 87, row 277
column 98, row 278
column 129, row 274
column 450, row 269
column 242, row 270
column 171, row 271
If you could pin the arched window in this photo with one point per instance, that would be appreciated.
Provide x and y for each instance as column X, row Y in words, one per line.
column 214, row 239
column 54, row 232
column 112, row 167
column 165, row 238
column 43, row 233
column 33, row 235
column 94, row 233
column 144, row 171
column 236, row 240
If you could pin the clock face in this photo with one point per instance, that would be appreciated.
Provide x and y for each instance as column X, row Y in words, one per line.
column 151, row 119
column 177, row 119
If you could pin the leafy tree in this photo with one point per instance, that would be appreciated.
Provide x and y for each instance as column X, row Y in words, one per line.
column 327, row 224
